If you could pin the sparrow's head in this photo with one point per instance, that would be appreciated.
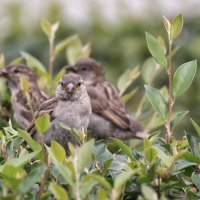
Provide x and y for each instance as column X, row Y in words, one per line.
column 13, row 73
column 70, row 87
column 89, row 69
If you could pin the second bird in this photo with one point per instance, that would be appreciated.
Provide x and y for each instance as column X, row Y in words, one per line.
column 109, row 115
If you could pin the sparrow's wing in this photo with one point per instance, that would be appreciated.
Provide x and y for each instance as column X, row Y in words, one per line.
column 46, row 107
column 106, row 101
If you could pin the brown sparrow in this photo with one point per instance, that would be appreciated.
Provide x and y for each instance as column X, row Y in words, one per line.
column 70, row 105
column 22, row 112
column 110, row 117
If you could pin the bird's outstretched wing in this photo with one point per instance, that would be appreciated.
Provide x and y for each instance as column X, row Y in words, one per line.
column 46, row 107
column 106, row 101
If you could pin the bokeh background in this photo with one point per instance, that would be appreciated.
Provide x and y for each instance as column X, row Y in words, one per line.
column 116, row 30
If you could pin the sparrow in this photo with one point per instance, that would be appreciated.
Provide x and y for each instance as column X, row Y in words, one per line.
column 110, row 117
column 22, row 111
column 70, row 106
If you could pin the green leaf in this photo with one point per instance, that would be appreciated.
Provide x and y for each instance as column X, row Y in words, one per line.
column 150, row 69
column 124, row 148
column 127, row 78
column 86, row 187
column 24, row 84
column 58, row 191
column 122, row 178
column 13, row 176
column 33, row 177
column 101, row 194
column 101, row 180
column 176, row 26
column 196, row 180
column 85, row 155
column 2, row 60
column 178, row 116
column 194, row 144
column 167, row 160
column 183, row 77
column 66, row 173
column 16, row 61
column 58, row 151
column 150, row 154
column 149, row 193
column 197, row 128
column 46, row 27
column 35, row 64
column 60, row 47
column 32, row 143
column 188, row 156
column 167, row 24
column 156, row 50
column 128, row 96
column 42, row 123
column 182, row 164
column 157, row 101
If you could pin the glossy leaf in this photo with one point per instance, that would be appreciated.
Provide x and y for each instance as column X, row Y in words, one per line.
column 42, row 123
column 58, row 191
column 58, row 151
column 157, row 101
column 156, row 50
column 183, row 77
column 176, row 26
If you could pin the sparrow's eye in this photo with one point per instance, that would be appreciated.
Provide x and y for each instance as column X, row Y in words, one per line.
column 79, row 84
column 84, row 68
column 16, row 70
column 61, row 84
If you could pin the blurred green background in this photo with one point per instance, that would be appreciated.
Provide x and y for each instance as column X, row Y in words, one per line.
column 116, row 30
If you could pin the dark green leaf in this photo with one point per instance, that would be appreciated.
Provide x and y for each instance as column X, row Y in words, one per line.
column 183, row 77
column 194, row 144
column 157, row 101
column 196, row 180
column 156, row 50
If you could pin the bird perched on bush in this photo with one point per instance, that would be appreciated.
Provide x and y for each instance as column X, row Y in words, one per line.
column 70, row 105
column 21, row 108
column 110, row 117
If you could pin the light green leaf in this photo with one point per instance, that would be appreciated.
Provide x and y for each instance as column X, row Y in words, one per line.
column 60, row 47
column 149, row 193
column 188, row 156
column 2, row 60
column 35, row 64
column 58, row 191
column 124, row 148
column 46, row 27
column 197, row 128
column 156, row 50
column 128, row 96
column 58, row 151
column 122, row 178
column 167, row 160
column 101, row 180
column 24, row 84
column 85, row 155
column 157, row 101
column 167, row 24
column 150, row 154
column 176, row 26
column 178, row 116
column 127, row 78
column 183, row 77
column 13, row 176
column 16, row 61
column 42, row 123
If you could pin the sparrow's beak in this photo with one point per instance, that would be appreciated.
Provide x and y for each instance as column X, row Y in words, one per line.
column 71, row 69
column 70, row 87
column 3, row 72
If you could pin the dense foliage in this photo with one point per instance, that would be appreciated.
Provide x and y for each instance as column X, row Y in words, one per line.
column 159, row 167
